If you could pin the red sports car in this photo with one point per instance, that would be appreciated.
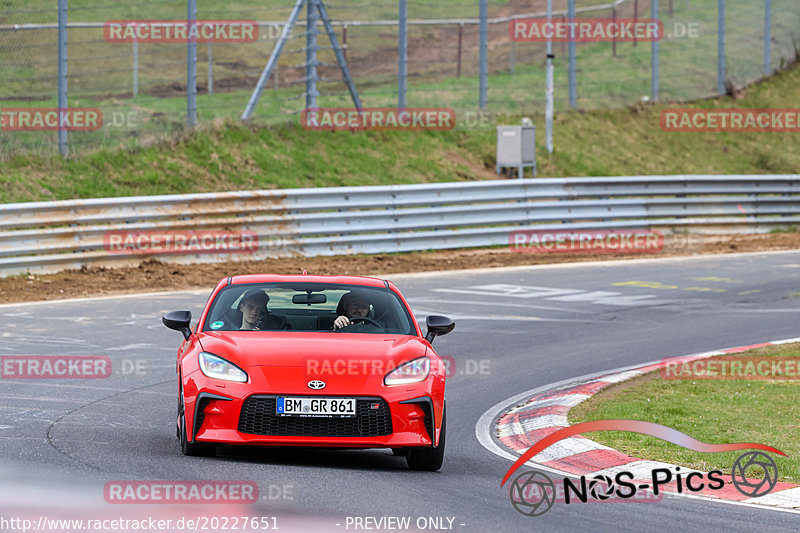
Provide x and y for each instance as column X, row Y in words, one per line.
column 304, row 360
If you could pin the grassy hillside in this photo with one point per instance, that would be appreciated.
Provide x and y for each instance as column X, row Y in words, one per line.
column 230, row 156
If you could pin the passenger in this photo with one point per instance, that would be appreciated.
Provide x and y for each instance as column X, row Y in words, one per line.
column 256, row 315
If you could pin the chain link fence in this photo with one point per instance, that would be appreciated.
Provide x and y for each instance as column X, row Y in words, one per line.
column 139, row 87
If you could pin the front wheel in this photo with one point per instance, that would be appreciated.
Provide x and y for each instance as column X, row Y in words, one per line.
column 188, row 448
column 429, row 459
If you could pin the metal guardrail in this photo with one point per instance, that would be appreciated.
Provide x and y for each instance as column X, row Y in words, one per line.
column 51, row 236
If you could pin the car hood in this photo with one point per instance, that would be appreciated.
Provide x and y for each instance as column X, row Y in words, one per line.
column 253, row 348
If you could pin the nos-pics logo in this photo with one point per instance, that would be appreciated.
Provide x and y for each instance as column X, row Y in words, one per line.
column 533, row 493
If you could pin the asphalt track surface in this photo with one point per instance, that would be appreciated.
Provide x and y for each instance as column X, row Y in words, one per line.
column 517, row 329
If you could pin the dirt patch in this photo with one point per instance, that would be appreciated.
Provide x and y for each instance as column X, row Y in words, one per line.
column 152, row 276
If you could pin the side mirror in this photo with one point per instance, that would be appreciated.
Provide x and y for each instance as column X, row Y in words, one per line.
column 179, row 321
column 438, row 325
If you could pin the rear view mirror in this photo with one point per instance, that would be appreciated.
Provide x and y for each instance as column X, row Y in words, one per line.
column 179, row 321
column 309, row 299
column 438, row 325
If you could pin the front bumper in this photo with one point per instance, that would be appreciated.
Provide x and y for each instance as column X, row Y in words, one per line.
column 408, row 416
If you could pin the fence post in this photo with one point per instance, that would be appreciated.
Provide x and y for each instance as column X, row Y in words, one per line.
column 191, row 65
column 344, row 41
column 402, row 53
column 721, row 47
column 573, row 82
column 460, row 40
column 63, row 143
column 135, row 64
column 549, row 85
column 210, row 70
column 484, row 54
column 635, row 18
column 512, row 59
column 614, row 39
column 767, row 37
column 311, row 55
column 276, row 72
column 655, row 59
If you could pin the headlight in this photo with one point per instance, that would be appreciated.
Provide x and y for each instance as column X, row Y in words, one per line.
column 410, row 372
column 216, row 367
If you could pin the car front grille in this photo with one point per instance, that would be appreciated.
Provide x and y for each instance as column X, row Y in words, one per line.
column 258, row 417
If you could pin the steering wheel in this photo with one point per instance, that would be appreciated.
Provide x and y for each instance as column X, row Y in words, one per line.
column 366, row 319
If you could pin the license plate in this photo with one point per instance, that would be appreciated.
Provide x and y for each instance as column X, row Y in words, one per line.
column 316, row 407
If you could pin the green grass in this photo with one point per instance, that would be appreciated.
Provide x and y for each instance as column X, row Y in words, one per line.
column 230, row 156
column 712, row 411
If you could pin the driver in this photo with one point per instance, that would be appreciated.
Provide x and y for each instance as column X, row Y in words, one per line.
column 351, row 305
column 256, row 316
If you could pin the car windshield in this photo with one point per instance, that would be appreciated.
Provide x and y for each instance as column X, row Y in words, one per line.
column 308, row 307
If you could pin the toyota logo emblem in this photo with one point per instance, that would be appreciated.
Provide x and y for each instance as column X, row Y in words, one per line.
column 316, row 384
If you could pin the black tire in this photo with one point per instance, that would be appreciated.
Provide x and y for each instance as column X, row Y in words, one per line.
column 429, row 459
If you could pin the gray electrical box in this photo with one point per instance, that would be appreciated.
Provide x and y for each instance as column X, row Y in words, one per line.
column 516, row 147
